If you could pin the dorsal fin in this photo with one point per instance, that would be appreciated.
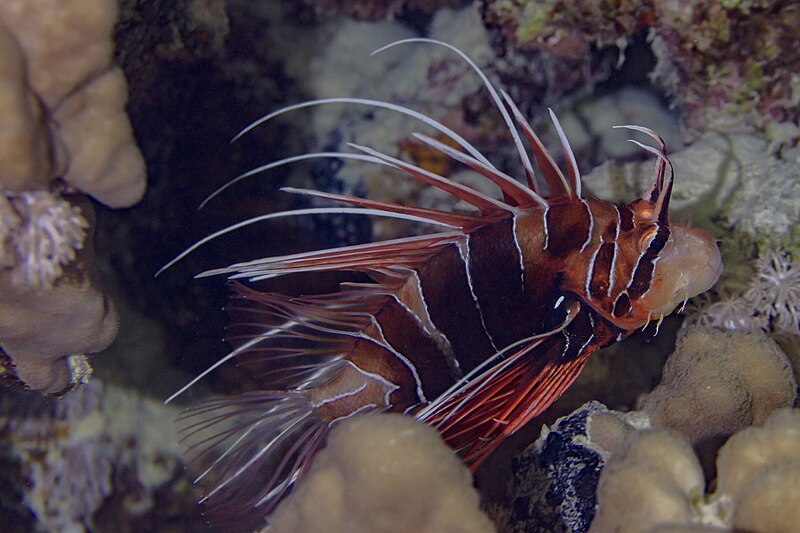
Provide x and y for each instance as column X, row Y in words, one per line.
column 557, row 184
column 512, row 189
column 486, row 204
column 445, row 217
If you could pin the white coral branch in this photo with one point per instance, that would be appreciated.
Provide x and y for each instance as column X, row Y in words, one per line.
column 775, row 291
column 770, row 303
column 39, row 234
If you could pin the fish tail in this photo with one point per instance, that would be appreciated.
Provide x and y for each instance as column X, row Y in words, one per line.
column 251, row 450
column 315, row 369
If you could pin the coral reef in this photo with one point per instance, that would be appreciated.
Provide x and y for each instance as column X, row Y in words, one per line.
column 775, row 291
column 766, row 205
column 710, row 172
column 48, row 324
column 759, row 469
column 652, row 464
column 770, row 302
column 67, row 100
column 724, row 64
column 654, row 481
column 728, row 63
column 200, row 69
column 39, row 234
column 99, row 453
column 431, row 79
column 566, row 29
column 651, row 480
column 63, row 128
column 717, row 383
column 387, row 473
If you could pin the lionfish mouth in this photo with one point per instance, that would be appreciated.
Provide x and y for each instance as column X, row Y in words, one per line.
column 689, row 265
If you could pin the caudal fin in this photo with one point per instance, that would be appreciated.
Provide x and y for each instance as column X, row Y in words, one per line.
column 250, row 450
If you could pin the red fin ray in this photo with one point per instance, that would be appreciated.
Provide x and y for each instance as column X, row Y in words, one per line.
column 486, row 204
column 523, row 156
column 512, row 189
column 557, row 184
column 476, row 414
column 481, row 423
column 661, row 190
column 444, row 217
column 406, row 252
column 572, row 165
column 291, row 342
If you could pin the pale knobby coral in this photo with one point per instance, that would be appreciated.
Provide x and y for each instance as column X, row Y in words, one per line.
column 387, row 473
column 718, row 382
column 766, row 204
column 652, row 478
column 758, row 485
column 66, row 101
column 653, row 482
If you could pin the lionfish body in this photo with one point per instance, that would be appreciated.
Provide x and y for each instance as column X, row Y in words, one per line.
column 475, row 329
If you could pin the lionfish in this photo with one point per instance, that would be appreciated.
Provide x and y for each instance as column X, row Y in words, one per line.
column 475, row 329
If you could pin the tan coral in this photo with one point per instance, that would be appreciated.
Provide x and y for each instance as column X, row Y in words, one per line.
column 24, row 142
column 759, row 474
column 387, row 473
column 62, row 117
column 650, row 480
column 103, row 157
column 653, row 483
column 717, row 383
column 67, row 48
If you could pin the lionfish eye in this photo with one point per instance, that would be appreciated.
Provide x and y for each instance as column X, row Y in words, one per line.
column 647, row 238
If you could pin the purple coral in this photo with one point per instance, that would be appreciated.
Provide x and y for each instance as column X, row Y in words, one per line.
column 39, row 233
column 775, row 291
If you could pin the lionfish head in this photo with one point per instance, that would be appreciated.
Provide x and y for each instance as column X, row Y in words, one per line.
column 657, row 266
